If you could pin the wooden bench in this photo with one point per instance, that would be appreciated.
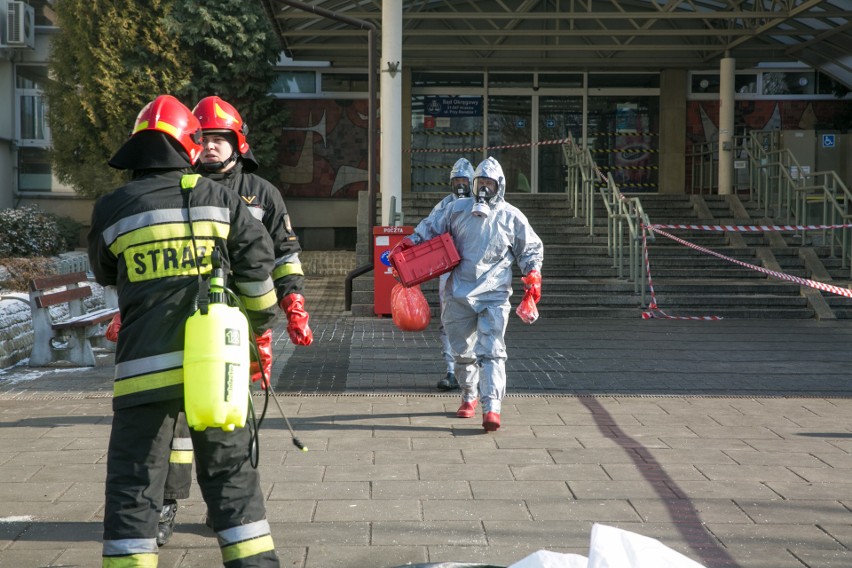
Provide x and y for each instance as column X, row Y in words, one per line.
column 70, row 338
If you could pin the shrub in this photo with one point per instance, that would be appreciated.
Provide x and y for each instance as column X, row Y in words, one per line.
column 70, row 230
column 29, row 231
column 19, row 271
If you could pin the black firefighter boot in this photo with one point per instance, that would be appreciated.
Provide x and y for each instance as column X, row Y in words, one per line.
column 166, row 526
column 448, row 383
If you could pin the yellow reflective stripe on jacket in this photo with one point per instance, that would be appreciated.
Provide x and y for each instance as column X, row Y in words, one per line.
column 286, row 270
column 158, row 217
column 148, row 382
column 259, row 303
column 147, row 560
column 169, row 231
column 247, row 548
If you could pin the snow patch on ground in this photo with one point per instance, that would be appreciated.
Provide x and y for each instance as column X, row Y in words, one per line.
column 8, row 377
column 20, row 519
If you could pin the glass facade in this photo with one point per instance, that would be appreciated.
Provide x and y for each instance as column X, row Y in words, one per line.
column 623, row 136
column 444, row 128
column 522, row 120
column 510, row 124
column 557, row 118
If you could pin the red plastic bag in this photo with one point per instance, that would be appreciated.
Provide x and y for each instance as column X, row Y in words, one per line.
column 527, row 310
column 409, row 308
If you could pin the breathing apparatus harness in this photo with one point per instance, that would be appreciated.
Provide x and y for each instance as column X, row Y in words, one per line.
column 215, row 291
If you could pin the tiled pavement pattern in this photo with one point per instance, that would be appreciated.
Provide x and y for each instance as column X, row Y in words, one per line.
column 729, row 441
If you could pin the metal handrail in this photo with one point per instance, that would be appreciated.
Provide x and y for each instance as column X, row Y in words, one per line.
column 704, row 170
column 584, row 185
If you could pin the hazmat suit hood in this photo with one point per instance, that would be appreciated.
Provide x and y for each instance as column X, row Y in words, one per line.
column 484, row 195
column 491, row 168
column 462, row 169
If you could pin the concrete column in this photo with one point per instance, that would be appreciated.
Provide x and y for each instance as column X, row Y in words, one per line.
column 406, row 131
column 672, row 172
column 726, row 125
column 390, row 108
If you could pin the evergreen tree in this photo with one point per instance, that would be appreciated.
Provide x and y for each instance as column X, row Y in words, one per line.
column 234, row 50
column 110, row 57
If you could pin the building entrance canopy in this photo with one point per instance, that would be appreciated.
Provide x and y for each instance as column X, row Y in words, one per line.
column 584, row 35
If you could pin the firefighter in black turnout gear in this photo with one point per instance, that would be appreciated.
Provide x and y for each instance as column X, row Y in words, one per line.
column 227, row 158
column 141, row 243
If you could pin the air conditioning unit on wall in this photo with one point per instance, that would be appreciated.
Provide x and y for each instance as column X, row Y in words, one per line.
column 20, row 25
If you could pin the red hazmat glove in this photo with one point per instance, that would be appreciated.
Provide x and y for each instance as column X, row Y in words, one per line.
column 297, row 319
column 264, row 351
column 409, row 308
column 402, row 245
column 527, row 310
column 532, row 284
column 113, row 328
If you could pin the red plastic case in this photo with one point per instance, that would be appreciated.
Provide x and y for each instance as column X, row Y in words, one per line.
column 426, row 261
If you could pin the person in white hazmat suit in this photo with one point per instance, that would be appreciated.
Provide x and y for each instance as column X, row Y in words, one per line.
column 461, row 181
column 489, row 234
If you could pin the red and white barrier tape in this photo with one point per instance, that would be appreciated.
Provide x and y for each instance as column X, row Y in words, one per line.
column 751, row 228
column 653, row 311
column 480, row 148
column 780, row 275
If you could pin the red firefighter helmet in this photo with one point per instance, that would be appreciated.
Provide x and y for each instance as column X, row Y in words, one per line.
column 214, row 114
column 168, row 115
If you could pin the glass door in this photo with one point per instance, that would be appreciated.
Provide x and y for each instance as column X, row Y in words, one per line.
column 510, row 123
column 623, row 136
column 557, row 117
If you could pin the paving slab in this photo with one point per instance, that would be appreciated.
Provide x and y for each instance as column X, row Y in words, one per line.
column 728, row 441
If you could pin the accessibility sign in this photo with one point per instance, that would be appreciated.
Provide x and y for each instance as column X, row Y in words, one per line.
column 828, row 140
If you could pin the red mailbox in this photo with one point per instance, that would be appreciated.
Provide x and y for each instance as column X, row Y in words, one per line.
column 384, row 239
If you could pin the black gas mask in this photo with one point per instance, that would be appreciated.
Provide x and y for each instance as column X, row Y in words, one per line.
column 461, row 188
column 483, row 193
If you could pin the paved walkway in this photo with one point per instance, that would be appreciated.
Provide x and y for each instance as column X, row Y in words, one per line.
column 729, row 441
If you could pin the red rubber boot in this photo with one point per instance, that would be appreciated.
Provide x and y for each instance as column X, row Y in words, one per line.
column 491, row 421
column 467, row 409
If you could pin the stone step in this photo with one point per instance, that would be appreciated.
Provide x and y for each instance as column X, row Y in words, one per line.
column 580, row 281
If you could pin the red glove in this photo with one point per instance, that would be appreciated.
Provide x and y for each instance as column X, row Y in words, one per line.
column 264, row 351
column 297, row 319
column 402, row 245
column 532, row 285
column 112, row 329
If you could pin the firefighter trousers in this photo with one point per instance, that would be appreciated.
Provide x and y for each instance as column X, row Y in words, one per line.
column 137, row 466
column 179, row 479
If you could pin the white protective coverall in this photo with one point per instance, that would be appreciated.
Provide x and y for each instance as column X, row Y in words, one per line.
column 461, row 169
column 476, row 308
